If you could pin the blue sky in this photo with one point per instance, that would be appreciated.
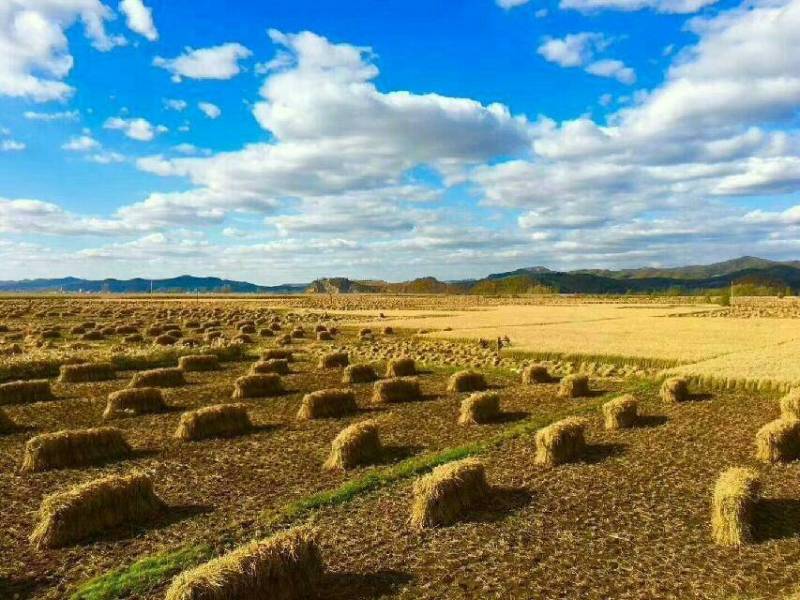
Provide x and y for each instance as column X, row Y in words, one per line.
column 284, row 141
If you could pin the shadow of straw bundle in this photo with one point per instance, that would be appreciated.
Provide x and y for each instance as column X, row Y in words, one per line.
column 272, row 365
column 736, row 494
column 399, row 389
column 674, row 389
column 573, row 386
column 219, row 420
column 91, row 508
column 6, row 424
column 561, row 442
column 199, row 362
column 74, row 448
column 480, row 407
column 445, row 493
column 620, row 413
column 85, row 372
column 286, row 566
column 401, row 367
column 257, row 386
column 779, row 440
column 287, row 355
column 134, row 401
column 535, row 373
column 466, row 381
column 21, row 392
column 166, row 377
column 333, row 360
column 327, row 403
column 359, row 373
column 355, row 445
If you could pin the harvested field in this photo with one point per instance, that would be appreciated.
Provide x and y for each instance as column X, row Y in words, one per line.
column 619, row 524
column 629, row 517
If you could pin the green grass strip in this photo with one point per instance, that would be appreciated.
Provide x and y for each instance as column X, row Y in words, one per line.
column 369, row 482
column 142, row 575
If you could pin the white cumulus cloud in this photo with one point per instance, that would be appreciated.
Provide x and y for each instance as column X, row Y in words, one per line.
column 136, row 128
column 175, row 104
column 68, row 115
column 139, row 18
column 34, row 46
column 216, row 62
column 12, row 146
column 212, row 111
column 661, row 6
column 580, row 49
column 82, row 143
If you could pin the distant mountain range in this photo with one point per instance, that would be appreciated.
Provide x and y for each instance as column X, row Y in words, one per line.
column 745, row 271
column 181, row 284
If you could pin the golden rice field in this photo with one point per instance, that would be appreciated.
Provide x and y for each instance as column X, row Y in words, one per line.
column 372, row 447
column 743, row 349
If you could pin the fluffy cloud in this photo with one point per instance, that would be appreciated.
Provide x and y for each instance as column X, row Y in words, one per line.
column 149, row 249
column 69, row 115
column 139, row 18
column 11, row 146
column 35, row 216
column 82, row 143
column 662, row 6
column 615, row 69
column 173, row 104
column 193, row 207
column 335, row 134
column 106, row 157
column 768, row 176
column 212, row 111
column 186, row 148
column 579, row 50
column 34, row 46
column 510, row 3
column 216, row 62
column 574, row 50
column 377, row 212
column 136, row 129
column 588, row 6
